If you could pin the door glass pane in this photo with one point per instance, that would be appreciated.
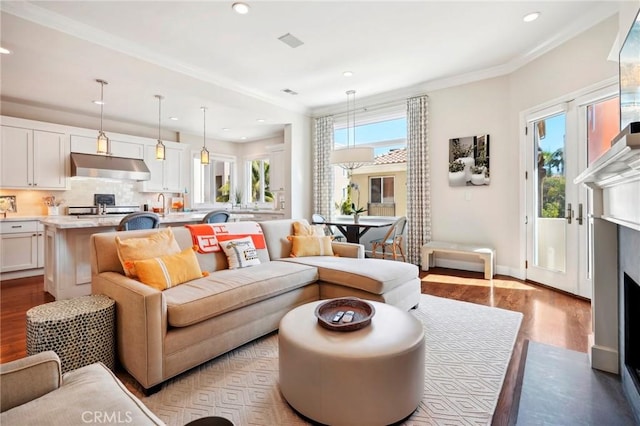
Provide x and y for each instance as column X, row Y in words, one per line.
column 550, row 224
column 602, row 126
column 387, row 192
column 376, row 190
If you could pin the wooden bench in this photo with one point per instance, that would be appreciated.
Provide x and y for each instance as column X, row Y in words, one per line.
column 487, row 254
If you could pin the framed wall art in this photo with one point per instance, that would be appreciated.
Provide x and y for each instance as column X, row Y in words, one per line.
column 469, row 161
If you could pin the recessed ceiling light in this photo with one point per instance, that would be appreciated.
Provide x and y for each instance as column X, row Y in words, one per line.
column 4, row 51
column 174, row 118
column 241, row 8
column 98, row 102
column 225, row 129
column 260, row 120
column 243, row 138
column 289, row 91
column 347, row 73
column 530, row 17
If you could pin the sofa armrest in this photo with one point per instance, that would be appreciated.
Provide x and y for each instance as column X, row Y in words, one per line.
column 26, row 379
column 348, row 249
column 141, row 324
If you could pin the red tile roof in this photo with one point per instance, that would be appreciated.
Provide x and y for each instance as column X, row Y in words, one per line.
column 392, row 157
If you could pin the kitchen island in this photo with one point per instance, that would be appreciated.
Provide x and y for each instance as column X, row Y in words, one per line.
column 67, row 263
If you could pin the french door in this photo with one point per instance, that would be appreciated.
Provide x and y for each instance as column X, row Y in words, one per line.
column 560, row 143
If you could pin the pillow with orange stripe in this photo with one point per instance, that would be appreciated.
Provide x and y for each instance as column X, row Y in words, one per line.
column 169, row 271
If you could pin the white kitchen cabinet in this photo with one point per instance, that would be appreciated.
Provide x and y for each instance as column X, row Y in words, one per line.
column 126, row 149
column 166, row 175
column 22, row 246
column 277, row 168
column 262, row 216
column 33, row 158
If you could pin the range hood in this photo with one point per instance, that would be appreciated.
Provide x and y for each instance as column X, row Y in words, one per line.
column 104, row 166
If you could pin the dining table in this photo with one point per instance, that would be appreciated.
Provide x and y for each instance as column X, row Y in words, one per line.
column 353, row 230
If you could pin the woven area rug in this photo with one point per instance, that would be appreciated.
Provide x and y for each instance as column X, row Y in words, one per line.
column 468, row 348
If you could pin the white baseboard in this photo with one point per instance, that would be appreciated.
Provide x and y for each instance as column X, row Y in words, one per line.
column 605, row 359
column 21, row 274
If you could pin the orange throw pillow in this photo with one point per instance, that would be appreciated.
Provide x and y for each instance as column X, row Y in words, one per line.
column 301, row 229
column 169, row 271
column 303, row 246
column 131, row 249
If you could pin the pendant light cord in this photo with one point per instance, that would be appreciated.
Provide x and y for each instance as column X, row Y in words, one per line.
column 204, row 125
column 159, row 117
column 101, row 103
column 351, row 117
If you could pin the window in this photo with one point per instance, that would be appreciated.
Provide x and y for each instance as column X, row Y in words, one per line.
column 213, row 183
column 381, row 189
column 386, row 132
column 384, row 135
column 260, row 191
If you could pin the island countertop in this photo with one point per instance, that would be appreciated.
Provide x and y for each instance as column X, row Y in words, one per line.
column 67, row 222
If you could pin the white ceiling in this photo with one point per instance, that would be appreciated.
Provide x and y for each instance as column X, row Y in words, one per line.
column 202, row 53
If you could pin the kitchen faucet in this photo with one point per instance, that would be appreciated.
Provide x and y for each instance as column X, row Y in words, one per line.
column 164, row 201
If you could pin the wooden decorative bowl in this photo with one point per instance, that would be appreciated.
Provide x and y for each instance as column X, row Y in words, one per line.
column 363, row 312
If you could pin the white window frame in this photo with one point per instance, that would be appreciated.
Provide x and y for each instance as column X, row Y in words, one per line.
column 261, row 202
column 202, row 172
column 382, row 196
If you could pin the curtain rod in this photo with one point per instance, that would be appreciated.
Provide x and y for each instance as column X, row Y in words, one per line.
column 375, row 106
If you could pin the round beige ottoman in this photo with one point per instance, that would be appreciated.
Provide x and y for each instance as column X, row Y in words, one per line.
column 371, row 376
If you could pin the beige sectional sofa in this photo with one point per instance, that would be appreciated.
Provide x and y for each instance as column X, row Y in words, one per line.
column 163, row 333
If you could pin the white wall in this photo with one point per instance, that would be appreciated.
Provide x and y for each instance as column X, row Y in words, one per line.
column 491, row 214
column 483, row 214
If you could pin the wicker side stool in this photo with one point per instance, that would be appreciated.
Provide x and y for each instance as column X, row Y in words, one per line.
column 81, row 331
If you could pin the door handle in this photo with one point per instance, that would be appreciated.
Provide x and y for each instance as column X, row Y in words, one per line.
column 569, row 213
column 580, row 218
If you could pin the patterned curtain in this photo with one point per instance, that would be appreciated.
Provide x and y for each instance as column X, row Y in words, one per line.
column 322, row 169
column 418, row 182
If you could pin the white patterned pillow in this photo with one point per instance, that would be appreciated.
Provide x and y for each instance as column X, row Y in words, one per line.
column 240, row 252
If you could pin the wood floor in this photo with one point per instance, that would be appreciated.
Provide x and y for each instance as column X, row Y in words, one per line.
column 550, row 316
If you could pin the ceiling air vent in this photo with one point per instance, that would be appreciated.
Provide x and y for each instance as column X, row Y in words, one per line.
column 290, row 40
column 289, row 91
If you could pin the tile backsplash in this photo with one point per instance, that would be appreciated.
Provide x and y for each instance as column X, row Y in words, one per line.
column 31, row 203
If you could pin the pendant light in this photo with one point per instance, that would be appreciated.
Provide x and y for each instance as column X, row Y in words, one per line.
column 352, row 157
column 160, row 149
column 104, row 146
column 204, row 154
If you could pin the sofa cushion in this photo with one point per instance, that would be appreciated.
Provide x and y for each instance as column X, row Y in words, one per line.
column 87, row 396
column 376, row 276
column 231, row 289
column 169, row 271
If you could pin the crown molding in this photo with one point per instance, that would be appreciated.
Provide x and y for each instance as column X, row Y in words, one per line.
column 55, row 21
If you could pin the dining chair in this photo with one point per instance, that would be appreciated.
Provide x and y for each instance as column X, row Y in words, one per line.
column 328, row 230
column 216, row 216
column 139, row 220
column 393, row 240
